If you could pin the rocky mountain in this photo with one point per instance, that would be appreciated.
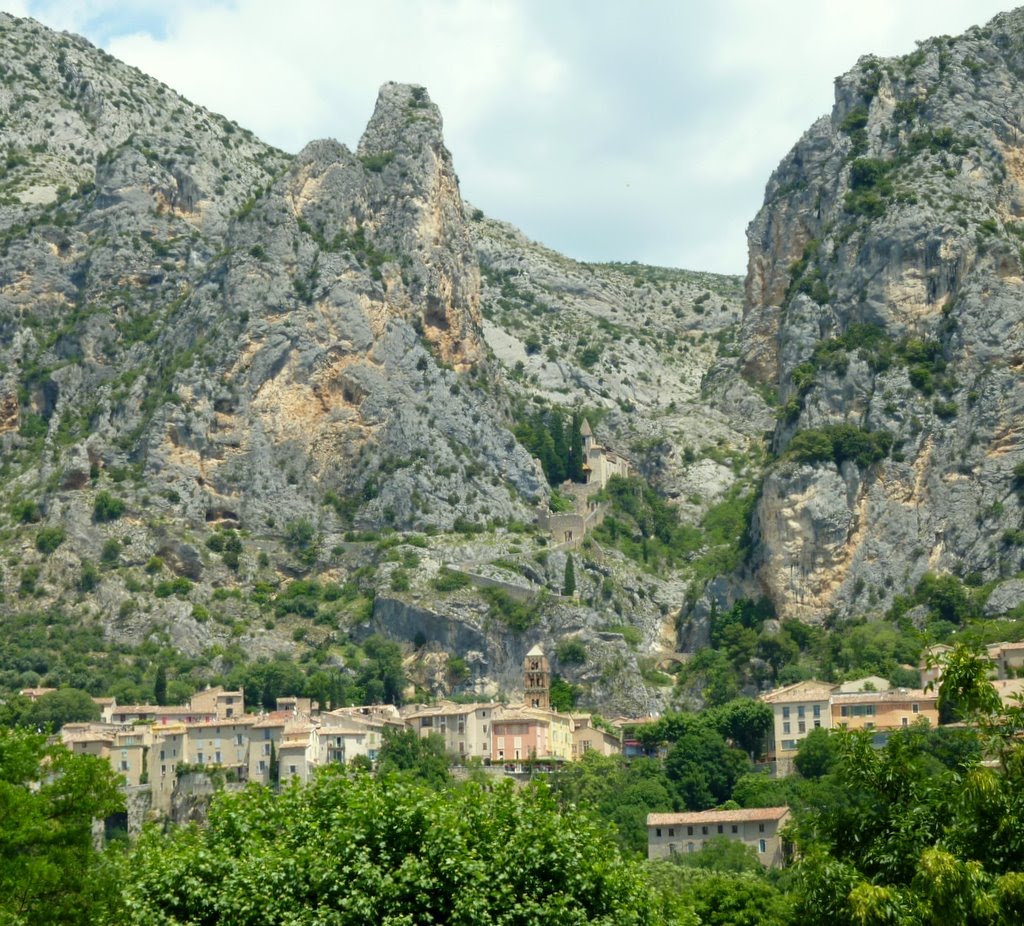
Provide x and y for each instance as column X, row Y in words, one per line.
column 256, row 404
column 883, row 304
column 260, row 410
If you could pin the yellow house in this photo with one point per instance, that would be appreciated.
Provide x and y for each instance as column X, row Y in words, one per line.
column 586, row 737
column 796, row 710
column 466, row 728
column 884, row 710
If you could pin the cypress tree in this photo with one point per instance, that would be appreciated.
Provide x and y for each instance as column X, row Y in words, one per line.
column 160, row 685
column 575, row 466
column 569, row 582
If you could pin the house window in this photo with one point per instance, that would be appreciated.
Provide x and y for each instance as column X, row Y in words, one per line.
column 721, row 829
column 199, row 758
column 291, row 769
column 217, row 757
column 760, row 827
column 735, row 828
column 671, row 831
column 462, row 725
column 657, row 832
column 801, row 726
column 704, row 830
column 816, row 710
column 800, row 711
column 263, row 766
column 915, row 708
column 844, row 711
column 785, row 727
column 426, row 722
column 785, row 713
column 817, row 724
column 762, row 846
column 689, row 831
column 904, row 719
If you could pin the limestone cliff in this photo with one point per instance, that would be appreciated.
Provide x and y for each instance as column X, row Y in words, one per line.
column 251, row 404
column 884, row 292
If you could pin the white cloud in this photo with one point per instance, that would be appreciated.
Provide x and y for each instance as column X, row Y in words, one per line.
column 606, row 130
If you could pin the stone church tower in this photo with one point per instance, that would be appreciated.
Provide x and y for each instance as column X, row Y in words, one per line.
column 537, row 679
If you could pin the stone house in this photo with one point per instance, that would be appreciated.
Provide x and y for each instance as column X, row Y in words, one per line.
column 796, row 710
column 531, row 733
column 758, row 827
column 466, row 728
column 219, row 702
column 883, row 710
column 586, row 737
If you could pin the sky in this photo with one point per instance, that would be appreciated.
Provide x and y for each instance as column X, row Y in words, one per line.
column 607, row 130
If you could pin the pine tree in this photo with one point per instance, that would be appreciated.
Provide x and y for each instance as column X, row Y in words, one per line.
column 569, row 582
column 160, row 685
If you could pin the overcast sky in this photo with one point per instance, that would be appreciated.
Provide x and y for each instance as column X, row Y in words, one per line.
column 607, row 130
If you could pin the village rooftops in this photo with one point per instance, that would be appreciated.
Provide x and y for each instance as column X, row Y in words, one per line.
column 241, row 721
column 748, row 814
column 447, row 708
column 274, row 719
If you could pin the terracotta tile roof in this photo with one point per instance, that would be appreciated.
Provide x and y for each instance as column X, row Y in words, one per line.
column 810, row 690
column 226, row 722
column 893, row 694
column 746, row 815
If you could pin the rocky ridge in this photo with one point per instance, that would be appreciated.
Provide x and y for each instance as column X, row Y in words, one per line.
column 883, row 294
column 225, row 370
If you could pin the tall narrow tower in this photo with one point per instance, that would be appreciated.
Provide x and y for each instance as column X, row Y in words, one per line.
column 537, row 679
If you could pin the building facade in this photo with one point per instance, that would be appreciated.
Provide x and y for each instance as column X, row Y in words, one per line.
column 670, row 834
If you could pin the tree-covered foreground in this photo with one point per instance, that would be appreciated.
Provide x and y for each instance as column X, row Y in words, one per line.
column 926, row 831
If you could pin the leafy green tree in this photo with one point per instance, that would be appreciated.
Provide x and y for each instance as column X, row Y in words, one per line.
column 50, row 874
column 562, row 694
column 617, row 790
column 712, row 898
column 744, row 721
column 720, row 853
column 381, row 674
column 56, row 708
column 703, row 768
column 816, row 754
column 350, row 850
column 421, row 757
column 965, row 691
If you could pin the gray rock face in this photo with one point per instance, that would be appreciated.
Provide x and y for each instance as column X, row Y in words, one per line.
column 220, row 340
column 884, row 292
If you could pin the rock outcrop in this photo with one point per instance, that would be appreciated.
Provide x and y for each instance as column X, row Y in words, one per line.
column 884, row 294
